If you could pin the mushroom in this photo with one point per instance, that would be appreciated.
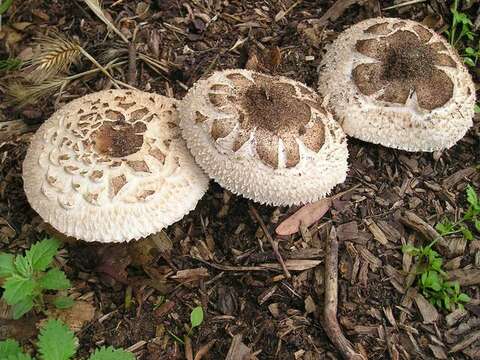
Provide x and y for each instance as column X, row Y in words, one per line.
column 267, row 138
column 112, row 167
column 398, row 83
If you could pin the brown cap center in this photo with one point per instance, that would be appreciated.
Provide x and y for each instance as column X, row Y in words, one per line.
column 118, row 139
column 273, row 107
column 408, row 61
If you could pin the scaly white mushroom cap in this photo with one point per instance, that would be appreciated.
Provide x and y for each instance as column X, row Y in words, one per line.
column 397, row 83
column 112, row 167
column 266, row 138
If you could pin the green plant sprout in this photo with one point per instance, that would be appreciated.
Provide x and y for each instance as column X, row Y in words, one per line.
column 461, row 27
column 57, row 342
column 196, row 319
column 461, row 31
column 28, row 277
column 472, row 215
column 431, row 278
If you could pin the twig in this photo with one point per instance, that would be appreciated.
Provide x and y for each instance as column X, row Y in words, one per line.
column 132, row 60
column 204, row 350
column 273, row 243
column 330, row 323
column 407, row 3
column 188, row 348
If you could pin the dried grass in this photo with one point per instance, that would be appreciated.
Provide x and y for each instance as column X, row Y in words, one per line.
column 95, row 6
column 55, row 56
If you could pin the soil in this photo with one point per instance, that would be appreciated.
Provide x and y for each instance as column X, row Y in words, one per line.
column 144, row 291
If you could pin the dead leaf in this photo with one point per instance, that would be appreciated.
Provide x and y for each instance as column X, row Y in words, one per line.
column 307, row 215
column 75, row 317
column 113, row 262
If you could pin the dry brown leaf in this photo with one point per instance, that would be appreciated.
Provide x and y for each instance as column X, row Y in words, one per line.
column 307, row 215
column 75, row 317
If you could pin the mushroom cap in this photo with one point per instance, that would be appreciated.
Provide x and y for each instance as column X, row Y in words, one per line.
column 266, row 138
column 112, row 167
column 398, row 83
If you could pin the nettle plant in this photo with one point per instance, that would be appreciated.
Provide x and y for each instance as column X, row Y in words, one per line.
column 471, row 216
column 27, row 278
column 57, row 342
column 431, row 278
column 462, row 36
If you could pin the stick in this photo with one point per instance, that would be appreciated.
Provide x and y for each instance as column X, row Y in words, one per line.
column 330, row 323
column 132, row 60
column 204, row 350
column 412, row 2
column 273, row 243
column 188, row 348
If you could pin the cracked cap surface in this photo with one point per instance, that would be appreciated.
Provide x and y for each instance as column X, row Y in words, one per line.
column 111, row 166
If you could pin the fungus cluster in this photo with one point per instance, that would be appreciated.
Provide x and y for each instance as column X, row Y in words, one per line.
column 397, row 83
column 112, row 166
column 266, row 138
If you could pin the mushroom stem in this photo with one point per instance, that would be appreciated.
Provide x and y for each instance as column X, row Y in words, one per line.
column 272, row 242
column 330, row 323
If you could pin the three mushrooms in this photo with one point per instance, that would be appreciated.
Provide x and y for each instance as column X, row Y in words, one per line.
column 113, row 166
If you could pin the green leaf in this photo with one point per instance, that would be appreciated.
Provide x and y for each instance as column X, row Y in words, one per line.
column 463, row 298
column 470, row 51
column 7, row 267
column 433, row 281
column 444, row 227
column 196, row 317
column 5, row 5
column 22, row 307
column 41, row 253
column 63, row 302
column 410, row 249
column 446, row 301
column 9, row 348
column 477, row 225
column 436, row 264
column 467, row 234
column 23, row 266
column 469, row 61
column 17, row 289
column 477, row 108
column 54, row 279
column 111, row 353
column 56, row 341
column 472, row 196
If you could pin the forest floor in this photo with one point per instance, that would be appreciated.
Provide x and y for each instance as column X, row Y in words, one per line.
column 134, row 295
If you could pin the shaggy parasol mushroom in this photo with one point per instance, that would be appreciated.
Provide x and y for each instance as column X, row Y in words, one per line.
column 112, row 167
column 266, row 138
column 397, row 83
